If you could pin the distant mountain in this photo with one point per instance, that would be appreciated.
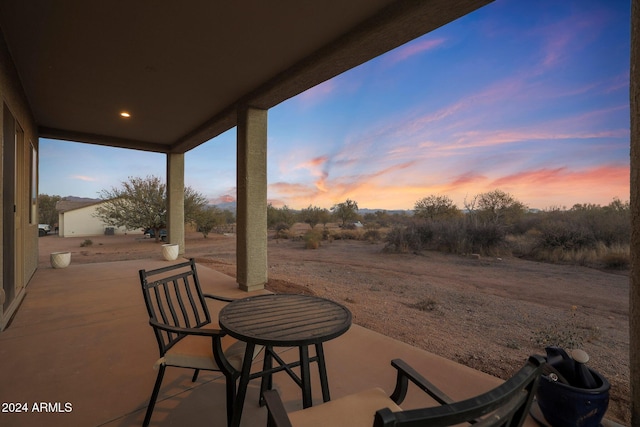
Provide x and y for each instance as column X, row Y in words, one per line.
column 226, row 206
column 80, row 199
column 365, row 211
column 232, row 206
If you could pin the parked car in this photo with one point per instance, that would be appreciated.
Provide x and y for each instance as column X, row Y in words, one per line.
column 152, row 234
column 43, row 229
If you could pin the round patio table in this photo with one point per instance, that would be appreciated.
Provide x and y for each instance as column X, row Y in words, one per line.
column 283, row 320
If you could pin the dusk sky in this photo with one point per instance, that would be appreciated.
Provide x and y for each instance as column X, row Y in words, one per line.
column 531, row 98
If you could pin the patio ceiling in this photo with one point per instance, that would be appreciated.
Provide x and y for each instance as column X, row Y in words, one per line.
column 182, row 69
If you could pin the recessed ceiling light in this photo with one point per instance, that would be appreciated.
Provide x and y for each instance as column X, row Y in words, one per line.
column 125, row 114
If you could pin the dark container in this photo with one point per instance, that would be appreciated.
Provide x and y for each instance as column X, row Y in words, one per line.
column 564, row 405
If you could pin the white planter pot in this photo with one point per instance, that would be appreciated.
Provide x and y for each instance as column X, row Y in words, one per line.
column 170, row 251
column 60, row 259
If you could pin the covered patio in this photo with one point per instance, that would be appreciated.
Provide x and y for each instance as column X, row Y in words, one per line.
column 183, row 76
column 81, row 344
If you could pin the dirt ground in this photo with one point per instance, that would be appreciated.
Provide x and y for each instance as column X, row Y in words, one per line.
column 487, row 313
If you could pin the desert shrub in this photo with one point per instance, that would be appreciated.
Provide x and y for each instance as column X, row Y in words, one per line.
column 521, row 244
column 312, row 239
column 277, row 216
column 588, row 234
column 424, row 232
column 326, row 234
column 407, row 238
column 379, row 219
column 343, row 234
column 617, row 260
column 584, row 256
column 372, row 232
column 566, row 235
column 610, row 224
column 451, row 236
column 282, row 230
column 397, row 240
column 485, row 237
column 457, row 235
column 612, row 228
column 372, row 235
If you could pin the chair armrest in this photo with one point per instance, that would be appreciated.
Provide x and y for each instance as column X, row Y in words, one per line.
column 277, row 416
column 405, row 373
column 218, row 297
column 208, row 332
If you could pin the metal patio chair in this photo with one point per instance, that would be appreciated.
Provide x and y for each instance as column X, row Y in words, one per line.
column 181, row 322
column 505, row 405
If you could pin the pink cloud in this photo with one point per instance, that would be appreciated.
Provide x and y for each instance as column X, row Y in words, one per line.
column 316, row 167
column 467, row 178
column 313, row 163
column 227, row 198
column 565, row 187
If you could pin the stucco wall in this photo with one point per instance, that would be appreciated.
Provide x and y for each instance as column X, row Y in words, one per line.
column 81, row 222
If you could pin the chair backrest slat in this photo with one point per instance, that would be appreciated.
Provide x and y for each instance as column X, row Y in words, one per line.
column 160, row 309
column 174, row 298
column 170, row 305
column 192, row 303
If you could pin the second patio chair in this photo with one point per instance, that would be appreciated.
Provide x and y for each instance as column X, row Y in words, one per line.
column 505, row 405
column 182, row 325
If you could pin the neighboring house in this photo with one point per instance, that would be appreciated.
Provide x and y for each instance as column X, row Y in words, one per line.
column 77, row 219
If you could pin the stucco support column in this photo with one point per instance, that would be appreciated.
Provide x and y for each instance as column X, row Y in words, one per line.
column 251, row 246
column 175, row 199
column 634, row 285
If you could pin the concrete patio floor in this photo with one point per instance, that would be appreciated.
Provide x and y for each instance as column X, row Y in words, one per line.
column 81, row 344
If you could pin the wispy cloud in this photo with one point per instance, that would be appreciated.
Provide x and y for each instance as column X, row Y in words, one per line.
column 546, row 187
column 568, row 36
column 619, row 82
column 606, row 174
column 475, row 139
column 84, row 178
column 414, row 48
column 318, row 93
column 291, row 189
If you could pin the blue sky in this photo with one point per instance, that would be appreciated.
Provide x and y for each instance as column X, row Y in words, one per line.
column 527, row 97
